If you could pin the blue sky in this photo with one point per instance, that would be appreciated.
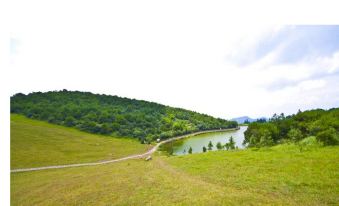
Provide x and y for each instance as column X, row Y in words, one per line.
column 206, row 63
column 301, row 65
column 295, row 43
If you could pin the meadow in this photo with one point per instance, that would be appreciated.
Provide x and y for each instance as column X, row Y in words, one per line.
column 36, row 143
column 280, row 175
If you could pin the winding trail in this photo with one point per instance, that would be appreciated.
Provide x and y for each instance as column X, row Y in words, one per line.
column 148, row 153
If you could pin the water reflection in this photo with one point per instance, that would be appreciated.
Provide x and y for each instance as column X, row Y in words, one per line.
column 197, row 143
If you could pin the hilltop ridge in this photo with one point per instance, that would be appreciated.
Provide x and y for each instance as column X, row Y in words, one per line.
column 113, row 115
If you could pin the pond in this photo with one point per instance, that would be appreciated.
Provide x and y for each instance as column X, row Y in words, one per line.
column 181, row 147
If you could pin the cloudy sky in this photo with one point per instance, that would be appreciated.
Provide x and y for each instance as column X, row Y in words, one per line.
column 193, row 56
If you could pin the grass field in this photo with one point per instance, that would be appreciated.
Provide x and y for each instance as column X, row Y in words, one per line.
column 280, row 175
column 36, row 143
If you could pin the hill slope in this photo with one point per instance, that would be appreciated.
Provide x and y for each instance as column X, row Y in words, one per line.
column 323, row 124
column 276, row 176
column 112, row 115
column 36, row 143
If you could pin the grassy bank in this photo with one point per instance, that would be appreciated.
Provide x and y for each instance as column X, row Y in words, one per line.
column 280, row 175
column 36, row 143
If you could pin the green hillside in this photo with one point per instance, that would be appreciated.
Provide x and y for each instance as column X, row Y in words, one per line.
column 274, row 170
column 318, row 123
column 112, row 115
column 280, row 175
column 36, row 143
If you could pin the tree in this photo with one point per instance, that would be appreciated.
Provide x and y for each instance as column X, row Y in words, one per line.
column 105, row 129
column 227, row 146
column 295, row 135
column 69, row 121
column 219, row 146
column 190, row 150
column 107, row 114
column 231, row 143
column 328, row 137
column 204, row 149
column 210, row 145
column 266, row 138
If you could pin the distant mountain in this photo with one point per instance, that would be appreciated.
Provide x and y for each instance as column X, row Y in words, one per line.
column 242, row 119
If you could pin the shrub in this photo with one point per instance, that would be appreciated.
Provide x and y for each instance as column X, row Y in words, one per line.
column 328, row 137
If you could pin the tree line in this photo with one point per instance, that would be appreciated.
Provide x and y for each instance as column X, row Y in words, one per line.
column 113, row 115
column 318, row 123
column 230, row 145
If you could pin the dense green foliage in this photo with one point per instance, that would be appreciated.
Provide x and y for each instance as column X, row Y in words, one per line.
column 322, row 124
column 112, row 115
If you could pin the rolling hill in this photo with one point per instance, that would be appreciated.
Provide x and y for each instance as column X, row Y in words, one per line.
column 112, row 115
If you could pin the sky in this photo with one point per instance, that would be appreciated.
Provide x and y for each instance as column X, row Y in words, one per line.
column 188, row 55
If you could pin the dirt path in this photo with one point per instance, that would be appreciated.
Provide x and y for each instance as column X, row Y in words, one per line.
column 148, row 153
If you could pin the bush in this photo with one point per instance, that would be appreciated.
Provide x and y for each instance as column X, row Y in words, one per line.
column 295, row 135
column 210, row 145
column 204, row 149
column 190, row 150
column 328, row 137
column 219, row 146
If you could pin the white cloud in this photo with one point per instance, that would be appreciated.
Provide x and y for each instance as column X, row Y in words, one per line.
column 177, row 54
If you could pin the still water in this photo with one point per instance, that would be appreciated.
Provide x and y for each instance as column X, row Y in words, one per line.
column 181, row 147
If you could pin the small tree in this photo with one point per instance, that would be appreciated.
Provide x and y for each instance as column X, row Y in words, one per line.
column 190, row 150
column 231, row 143
column 210, row 145
column 69, row 121
column 227, row 146
column 296, row 136
column 204, row 149
column 328, row 137
column 266, row 140
column 219, row 146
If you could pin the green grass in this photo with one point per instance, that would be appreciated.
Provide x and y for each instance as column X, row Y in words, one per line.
column 280, row 175
column 36, row 143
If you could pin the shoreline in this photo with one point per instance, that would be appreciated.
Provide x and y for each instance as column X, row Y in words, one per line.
column 136, row 156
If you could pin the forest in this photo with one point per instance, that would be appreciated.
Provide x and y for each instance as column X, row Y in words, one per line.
column 113, row 115
column 319, row 124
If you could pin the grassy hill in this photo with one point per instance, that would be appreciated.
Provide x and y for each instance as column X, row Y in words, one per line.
column 36, row 143
column 278, row 175
column 319, row 123
column 112, row 115
column 281, row 175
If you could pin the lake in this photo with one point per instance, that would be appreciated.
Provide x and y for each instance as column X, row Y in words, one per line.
column 180, row 147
